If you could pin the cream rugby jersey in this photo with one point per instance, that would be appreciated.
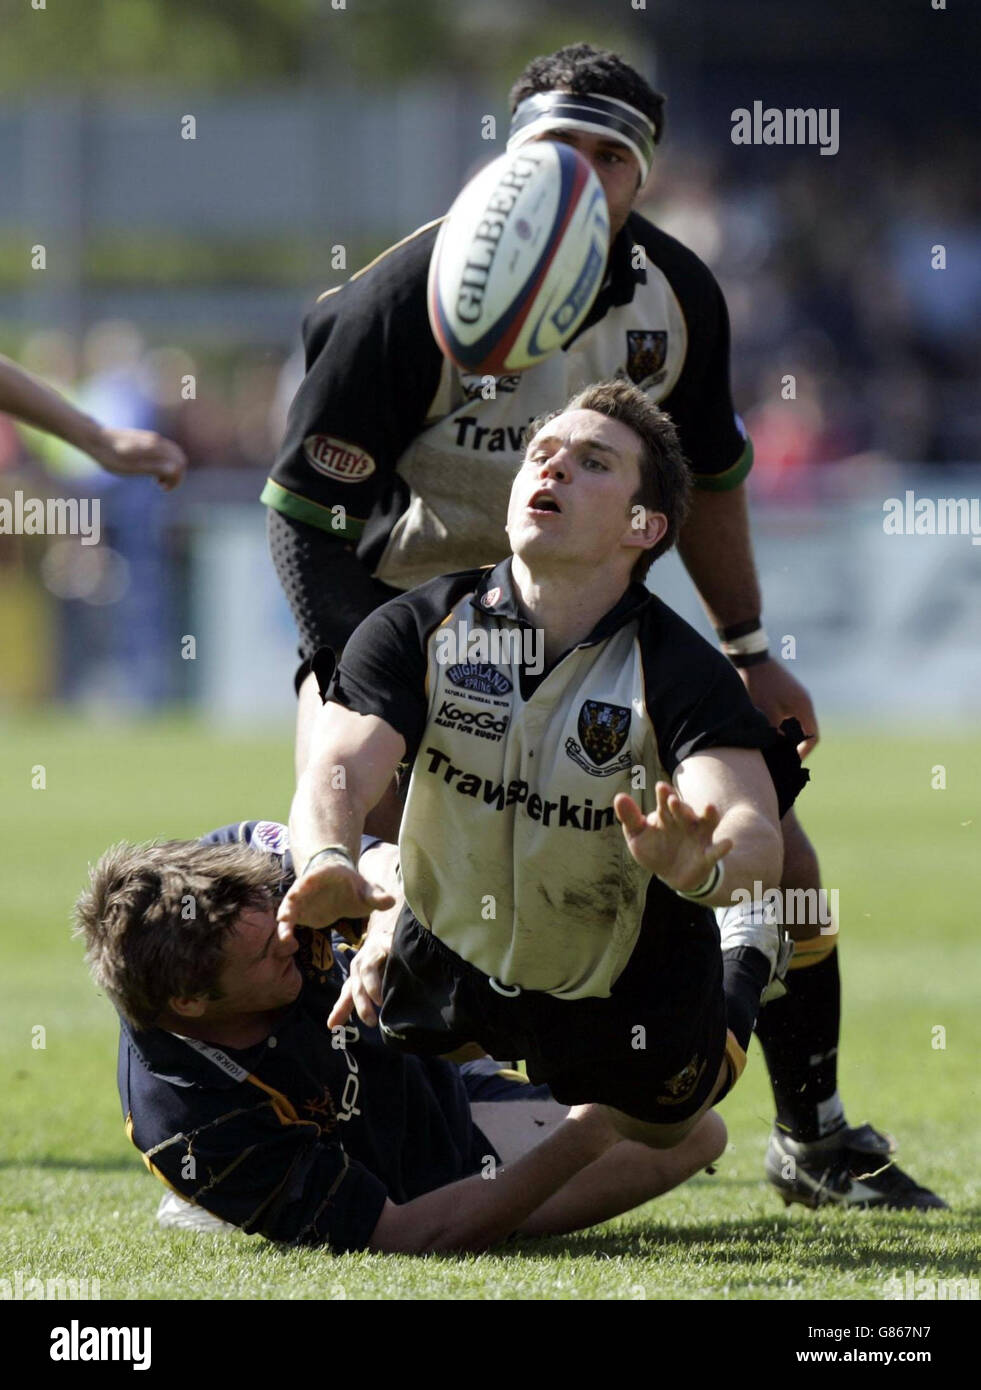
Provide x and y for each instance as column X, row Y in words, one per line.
column 511, row 853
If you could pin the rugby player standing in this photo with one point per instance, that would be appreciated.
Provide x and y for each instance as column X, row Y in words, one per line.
column 396, row 468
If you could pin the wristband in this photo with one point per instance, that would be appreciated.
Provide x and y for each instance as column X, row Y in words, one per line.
column 746, row 643
column 707, row 887
column 332, row 852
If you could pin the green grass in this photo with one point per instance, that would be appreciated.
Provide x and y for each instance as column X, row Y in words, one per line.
column 75, row 1200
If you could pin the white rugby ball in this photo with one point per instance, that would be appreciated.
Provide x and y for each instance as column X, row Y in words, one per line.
column 518, row 260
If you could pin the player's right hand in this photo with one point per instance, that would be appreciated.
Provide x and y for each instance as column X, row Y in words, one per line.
column 328, row 893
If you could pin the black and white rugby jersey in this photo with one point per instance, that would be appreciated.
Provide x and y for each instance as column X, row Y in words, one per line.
column 511, row 853
column 390, row 447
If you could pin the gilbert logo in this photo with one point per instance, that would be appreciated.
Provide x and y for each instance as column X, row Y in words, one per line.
column 76, row 1343
column 345, row 463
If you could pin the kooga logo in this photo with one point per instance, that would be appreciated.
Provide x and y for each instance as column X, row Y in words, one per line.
column 481, row 722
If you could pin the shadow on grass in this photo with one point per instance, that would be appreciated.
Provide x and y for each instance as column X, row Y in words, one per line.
column 738, row 1250
column 893, row 1241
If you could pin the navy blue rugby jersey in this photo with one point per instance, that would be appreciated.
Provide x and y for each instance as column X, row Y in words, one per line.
column 389, row 448
column 297, row 1138
column 510, row 850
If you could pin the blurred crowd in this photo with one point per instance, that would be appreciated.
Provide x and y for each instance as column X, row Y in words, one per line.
column 832, row 278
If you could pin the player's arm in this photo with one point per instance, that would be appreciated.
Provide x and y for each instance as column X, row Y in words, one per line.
column 715, row 543
column 353, row 759
column 124, row 451
column 717, row 549
column 722, row 808
column 478, row 1212
column 362, row 991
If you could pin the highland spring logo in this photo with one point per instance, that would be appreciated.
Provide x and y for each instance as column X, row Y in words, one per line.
column 51, row 516
column 922, row 516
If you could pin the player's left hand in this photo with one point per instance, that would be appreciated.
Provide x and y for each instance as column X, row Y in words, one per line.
column 132, row 453
column 780, row 696
column 673, row 842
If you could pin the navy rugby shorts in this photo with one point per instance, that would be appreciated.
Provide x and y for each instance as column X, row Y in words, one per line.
column 652, row 1049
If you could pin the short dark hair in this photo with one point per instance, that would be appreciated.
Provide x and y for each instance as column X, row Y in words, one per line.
column 581, row 68
column 155, row 918
column 665, row 478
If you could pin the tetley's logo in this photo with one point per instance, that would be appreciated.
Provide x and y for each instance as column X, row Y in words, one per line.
column 478, row 675
column 345, row 463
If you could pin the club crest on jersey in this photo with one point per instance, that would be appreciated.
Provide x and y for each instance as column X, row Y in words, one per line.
column 343, row 462
column 479, row 676
column 646, row 354
column 603, row 730
column 679, row 1088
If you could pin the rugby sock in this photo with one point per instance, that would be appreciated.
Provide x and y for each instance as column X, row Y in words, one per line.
column 745, row 975
column 799, row 1034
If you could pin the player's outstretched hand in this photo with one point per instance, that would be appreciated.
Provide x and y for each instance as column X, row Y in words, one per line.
column 363, row 987
column 328, row 893
column 137, row 452
column 780, row 696
column 673, row 842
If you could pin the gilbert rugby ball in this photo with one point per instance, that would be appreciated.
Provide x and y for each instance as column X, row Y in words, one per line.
column 518, row 260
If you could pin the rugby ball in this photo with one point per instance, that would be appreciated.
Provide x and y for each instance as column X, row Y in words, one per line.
column 518, row 260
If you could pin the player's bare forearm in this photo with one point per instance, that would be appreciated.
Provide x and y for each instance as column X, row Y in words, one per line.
column 124, row 451
column 479, row 1212
column 738, row 783
column 26, row 398
column 717, row 549
column 756, row 855
column 353, row 758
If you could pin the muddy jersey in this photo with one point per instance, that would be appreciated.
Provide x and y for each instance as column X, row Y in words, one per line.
column 391, row 448
column 510, row 850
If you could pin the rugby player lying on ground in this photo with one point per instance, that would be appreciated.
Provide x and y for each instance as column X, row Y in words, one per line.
column 535, row 924
column 248, row 1104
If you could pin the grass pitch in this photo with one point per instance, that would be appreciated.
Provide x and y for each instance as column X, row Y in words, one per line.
column 76, row 1202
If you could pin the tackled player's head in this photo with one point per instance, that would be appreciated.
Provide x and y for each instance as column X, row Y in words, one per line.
column 609, row 468
column 177, row 922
